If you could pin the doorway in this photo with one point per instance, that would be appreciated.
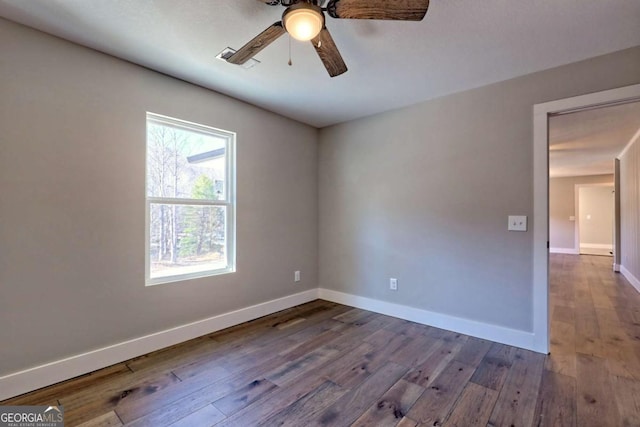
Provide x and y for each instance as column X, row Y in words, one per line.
column 595, row 228
column 541, row 116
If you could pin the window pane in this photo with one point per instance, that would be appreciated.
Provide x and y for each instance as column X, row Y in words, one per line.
column 185, row 239
column 185, row 164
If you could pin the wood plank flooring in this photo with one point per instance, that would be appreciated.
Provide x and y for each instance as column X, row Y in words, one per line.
column 324, row 364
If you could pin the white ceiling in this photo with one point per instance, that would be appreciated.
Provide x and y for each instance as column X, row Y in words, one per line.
column 461, row 44
column 587, row 142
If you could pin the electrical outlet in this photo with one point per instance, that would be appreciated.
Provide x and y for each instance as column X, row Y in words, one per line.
column 393, row 284
column 296, row 276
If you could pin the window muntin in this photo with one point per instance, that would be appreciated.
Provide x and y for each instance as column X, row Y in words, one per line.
column 190, row 200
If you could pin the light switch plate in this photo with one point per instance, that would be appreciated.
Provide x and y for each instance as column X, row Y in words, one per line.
column 517, row 223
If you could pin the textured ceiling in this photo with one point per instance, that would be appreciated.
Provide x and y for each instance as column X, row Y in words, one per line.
column 587, row 142
column 460, row 45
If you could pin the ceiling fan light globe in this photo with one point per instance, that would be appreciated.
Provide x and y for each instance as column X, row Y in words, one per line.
column 303, row 23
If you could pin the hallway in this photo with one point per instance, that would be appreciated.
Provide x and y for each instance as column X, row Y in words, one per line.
column 595, row 345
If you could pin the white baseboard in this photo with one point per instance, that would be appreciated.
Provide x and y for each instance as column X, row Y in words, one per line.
column 616, row 268
column 37, row 377
column 630, row 277
column 486, row 331
column 571, row 251
column 596, row 246
column 60, row 370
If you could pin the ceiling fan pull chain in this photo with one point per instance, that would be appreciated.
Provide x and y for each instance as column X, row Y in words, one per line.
column 290, row 63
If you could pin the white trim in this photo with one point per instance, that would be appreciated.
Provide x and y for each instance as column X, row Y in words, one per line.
column 602, row 99
column 616, row 268
column 501, row 334
column 635, row 282
column 37, row 377
column 596, row 246
column 541, row 114
column 56, row 371
column 540, row 276
column 571, row 251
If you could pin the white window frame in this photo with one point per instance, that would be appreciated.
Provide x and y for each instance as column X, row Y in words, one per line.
column 229, row 203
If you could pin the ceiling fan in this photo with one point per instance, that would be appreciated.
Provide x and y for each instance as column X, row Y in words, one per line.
column 304, row 20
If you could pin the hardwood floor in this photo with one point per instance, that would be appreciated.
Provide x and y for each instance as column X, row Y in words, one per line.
column 592, row 376
column 324, row 364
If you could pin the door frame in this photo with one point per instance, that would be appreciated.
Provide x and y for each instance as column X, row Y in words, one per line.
column 541, row 113
column 576, row 193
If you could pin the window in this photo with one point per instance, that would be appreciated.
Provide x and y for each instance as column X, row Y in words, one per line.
column 190, row 213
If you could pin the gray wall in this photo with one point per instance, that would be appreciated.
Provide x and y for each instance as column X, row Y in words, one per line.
column 72, row 162
column 423, row 194
column 630, row 209
column 562, row 205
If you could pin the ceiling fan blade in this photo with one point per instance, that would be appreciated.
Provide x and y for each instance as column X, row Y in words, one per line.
column 400, row 10
column 256, row 44
column 328, row 53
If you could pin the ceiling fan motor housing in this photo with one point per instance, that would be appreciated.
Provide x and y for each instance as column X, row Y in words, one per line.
column 303, row 20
